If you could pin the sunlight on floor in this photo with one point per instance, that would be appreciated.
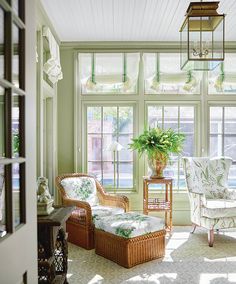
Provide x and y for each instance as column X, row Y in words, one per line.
column 154, row 278
column 175, row 240
column 96, row 279
column 208, row 278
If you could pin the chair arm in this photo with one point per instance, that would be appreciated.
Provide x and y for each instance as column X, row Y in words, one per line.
column 80, row 204
column 116, row 201
column 197, row 200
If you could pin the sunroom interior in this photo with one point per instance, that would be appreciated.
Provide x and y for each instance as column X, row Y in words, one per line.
column 106, row 71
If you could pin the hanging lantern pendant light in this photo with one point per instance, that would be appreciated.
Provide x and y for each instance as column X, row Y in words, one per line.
column 202, row 37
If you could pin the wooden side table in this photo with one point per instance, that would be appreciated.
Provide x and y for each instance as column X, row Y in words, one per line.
column 52, row 246
column 159, row 204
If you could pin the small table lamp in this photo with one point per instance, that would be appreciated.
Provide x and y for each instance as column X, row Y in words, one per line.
column 115, row 147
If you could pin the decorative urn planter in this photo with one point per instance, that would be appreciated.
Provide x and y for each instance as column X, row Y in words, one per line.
column 157, row 167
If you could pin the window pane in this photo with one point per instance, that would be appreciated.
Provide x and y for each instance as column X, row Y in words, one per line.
column 216, row 145
column 15, row 66
column 181, row 119
column 1, row 43
column 125, row 154
column 110, row 120
column 163, row 75
column 94, row 147
column 115, row 124
column 16, row 194
column 109, row 179
column 2, row 123
column 94, row 168
column 155, row 116
column 94, row 119
column 125, row 175
column 223, row 136
column 108, row 72
column 232, row 176
column 15, row 6
column 230, row 120
column 2, row 202
column 15, row 126
column 216, row 119
column 222, row 80
column 126, row 120
column 171, row 118
column 230, row 146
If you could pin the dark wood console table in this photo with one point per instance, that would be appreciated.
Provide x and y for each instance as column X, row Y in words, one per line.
column 52, row 246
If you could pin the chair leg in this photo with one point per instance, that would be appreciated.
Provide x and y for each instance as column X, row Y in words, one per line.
column 211, row 237
column 193, row 228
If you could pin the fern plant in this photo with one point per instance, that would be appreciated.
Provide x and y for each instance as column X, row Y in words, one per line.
column 158, row 143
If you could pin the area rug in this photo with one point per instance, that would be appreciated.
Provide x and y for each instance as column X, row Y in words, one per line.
column 188, row 260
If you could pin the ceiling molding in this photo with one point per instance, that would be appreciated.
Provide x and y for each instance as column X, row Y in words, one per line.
column 151, row 46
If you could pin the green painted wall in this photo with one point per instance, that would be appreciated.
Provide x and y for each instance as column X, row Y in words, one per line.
column 66, row 114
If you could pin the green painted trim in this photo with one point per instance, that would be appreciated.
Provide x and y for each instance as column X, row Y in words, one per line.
column 130, row 46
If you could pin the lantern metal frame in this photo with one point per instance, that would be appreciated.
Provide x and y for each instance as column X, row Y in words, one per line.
column 201, row 10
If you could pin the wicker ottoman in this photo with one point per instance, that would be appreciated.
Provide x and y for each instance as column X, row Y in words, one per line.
column 130, row 238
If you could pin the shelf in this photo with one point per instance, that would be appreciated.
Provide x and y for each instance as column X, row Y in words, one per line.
column 158, row 204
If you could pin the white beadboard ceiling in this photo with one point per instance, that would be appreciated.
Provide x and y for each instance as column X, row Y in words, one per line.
column 126, row 20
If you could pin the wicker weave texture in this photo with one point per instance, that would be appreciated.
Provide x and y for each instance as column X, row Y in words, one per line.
column 130, row 252
column 80, row 225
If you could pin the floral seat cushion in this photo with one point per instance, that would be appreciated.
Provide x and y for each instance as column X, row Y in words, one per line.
column 81, row 188
column 218, row 208
column 99, row 211
column 129, row 225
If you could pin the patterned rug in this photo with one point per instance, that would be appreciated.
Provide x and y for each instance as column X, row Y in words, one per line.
column 188, row 260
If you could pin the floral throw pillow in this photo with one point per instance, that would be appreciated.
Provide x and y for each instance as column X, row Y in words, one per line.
column 81, row 188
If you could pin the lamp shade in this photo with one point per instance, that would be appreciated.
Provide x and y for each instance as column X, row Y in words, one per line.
column 115, row 146
column 202, row 37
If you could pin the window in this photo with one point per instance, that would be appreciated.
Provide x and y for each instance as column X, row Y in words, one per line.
column 182, row 119
column 163, row 75
column 223, row 135
column 222, row 80
column 163, row 95
column 108, row 73
column 106, row 124
column 12, row 112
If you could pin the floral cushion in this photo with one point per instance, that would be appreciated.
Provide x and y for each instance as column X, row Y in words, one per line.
column 219, row 208
column 81, row 188
column 99, row 211
column 129, row 225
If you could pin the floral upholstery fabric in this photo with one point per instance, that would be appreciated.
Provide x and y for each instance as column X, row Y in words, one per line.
column 218, row 208
column 208, row 176
column 212, row 204
column 129, row 225
column 99, row 211
column 81, row 188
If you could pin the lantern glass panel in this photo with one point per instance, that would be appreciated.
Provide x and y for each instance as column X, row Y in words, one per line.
column 204, row 42
column 184, row 44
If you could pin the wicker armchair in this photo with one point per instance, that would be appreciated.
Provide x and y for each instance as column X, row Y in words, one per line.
column 80, row 225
